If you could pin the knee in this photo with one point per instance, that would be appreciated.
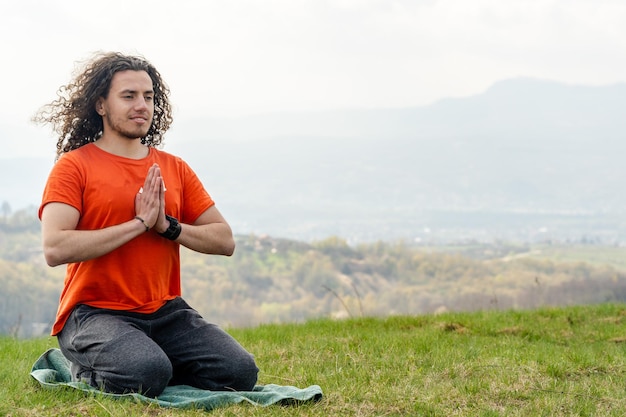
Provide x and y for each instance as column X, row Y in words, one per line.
column 142, row 372
column 244, row 374
column 233, row 374
column 152, row 375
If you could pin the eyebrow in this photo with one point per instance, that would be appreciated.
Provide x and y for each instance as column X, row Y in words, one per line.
column 127, row 91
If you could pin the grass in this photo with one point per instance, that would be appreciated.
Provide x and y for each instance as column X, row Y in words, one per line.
column 548, row 362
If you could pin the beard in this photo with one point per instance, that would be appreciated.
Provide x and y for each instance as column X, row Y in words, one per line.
column 127, row 128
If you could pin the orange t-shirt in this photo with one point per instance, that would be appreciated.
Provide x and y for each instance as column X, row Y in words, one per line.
column 143, row 274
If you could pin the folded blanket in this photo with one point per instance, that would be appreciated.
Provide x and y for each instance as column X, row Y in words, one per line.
column 52, row 370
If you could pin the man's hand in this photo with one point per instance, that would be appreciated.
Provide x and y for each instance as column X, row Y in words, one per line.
column 162, row 223
column 150, row 200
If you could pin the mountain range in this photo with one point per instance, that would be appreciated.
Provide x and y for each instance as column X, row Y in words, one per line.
column 526, row 160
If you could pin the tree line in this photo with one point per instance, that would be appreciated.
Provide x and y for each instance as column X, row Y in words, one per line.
column 272, row 280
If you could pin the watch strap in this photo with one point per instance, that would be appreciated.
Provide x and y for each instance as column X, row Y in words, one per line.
column 173, row 231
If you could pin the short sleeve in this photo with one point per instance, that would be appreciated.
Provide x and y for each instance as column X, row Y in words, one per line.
column 65, row 184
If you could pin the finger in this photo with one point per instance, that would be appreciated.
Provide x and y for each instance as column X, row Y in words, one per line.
column 162, row 196
column 153, row 172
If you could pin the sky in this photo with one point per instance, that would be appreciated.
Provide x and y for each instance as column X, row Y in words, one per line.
column 237, row 57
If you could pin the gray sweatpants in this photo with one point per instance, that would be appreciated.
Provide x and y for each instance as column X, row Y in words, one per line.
column 122, row 352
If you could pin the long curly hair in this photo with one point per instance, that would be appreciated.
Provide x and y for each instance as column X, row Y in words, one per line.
column 73, row 115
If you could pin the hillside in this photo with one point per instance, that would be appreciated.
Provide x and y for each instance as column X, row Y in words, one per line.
column 272, row 280
column 527, row 160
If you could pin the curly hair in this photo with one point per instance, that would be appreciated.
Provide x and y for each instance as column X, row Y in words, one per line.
column 73, row 115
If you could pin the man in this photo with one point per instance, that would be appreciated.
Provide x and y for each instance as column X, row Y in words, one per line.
column 115, row 209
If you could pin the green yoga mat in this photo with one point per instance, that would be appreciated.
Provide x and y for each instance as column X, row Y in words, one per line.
column 52, row 370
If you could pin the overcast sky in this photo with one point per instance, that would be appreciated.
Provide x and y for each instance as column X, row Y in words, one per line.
column 235, row 57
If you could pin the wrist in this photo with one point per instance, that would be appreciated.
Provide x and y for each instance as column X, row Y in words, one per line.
column 143, row 222
column 173, row 230
column 161, row 227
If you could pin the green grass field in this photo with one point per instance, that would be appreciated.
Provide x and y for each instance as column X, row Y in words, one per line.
column 549, row 362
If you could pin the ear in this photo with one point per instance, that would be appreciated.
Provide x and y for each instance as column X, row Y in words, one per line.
column 100, row 107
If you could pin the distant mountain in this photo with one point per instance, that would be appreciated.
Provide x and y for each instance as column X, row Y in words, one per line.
column 527, row 159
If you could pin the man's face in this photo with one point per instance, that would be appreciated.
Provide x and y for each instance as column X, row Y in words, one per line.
column 127, row 111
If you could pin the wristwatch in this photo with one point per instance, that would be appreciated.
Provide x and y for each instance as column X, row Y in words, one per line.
column 174, row 230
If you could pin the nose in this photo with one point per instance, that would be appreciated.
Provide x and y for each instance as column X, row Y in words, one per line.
column 141, row 103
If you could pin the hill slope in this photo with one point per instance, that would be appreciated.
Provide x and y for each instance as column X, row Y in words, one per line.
column 271, row 280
